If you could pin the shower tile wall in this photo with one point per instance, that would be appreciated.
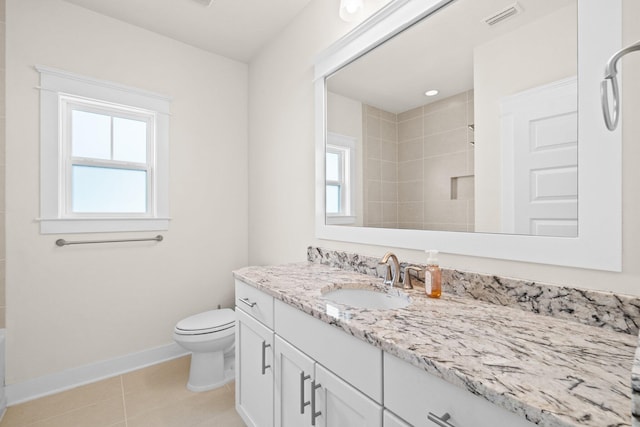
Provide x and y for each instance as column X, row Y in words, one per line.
column 380, row 146
column 421, row 177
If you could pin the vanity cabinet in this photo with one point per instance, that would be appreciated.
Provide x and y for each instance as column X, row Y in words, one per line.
column 255, row 303
column 323, row 371
column 350, row 358
column 293, row 370
column 307, row 394
column 293, row 375
column 390, row 420
column 423, row 400
column 340, row 404
column 254, row 357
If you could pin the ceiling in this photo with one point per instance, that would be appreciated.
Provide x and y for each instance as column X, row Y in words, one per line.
column 436, row 53
column 236, row 29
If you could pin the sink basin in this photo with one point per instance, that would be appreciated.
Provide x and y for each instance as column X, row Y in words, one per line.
column 368, row 298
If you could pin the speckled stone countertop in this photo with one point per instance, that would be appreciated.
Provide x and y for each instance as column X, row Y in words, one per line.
column 552, row 371
column 635, row 386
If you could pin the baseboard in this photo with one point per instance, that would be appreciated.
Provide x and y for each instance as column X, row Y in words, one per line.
column 71, row 378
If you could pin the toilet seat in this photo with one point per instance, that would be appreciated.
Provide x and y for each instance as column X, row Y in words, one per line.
column 209, row 322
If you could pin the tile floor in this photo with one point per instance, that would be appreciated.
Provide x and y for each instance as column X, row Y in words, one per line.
column 154, row 396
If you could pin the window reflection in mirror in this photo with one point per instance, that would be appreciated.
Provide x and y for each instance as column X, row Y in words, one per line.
column 495, row 150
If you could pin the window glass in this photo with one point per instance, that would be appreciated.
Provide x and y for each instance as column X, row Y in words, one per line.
column 333, row 166
column 129, row 140
column 90, row 135
column 108, row 190
column 333, row 199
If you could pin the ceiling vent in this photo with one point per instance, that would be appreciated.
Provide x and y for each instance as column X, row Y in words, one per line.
column 503, row 14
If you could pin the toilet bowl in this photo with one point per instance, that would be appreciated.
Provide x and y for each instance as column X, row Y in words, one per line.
column 210, row 337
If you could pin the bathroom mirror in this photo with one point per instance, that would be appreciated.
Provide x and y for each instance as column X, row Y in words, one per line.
column 523, row 88
column 462, row 158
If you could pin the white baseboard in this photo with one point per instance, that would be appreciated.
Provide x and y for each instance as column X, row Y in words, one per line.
column 74, row 377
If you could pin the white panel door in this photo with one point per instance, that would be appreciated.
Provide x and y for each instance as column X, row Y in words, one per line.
column 337, row 404
column 293, row 376
column 540, row 160
column 254, row 371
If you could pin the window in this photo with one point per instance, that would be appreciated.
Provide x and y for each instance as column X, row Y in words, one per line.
column 104, row 156
column 339, row 177
column 337, row 188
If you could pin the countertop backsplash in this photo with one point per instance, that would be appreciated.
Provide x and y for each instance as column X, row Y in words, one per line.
column 616, row 312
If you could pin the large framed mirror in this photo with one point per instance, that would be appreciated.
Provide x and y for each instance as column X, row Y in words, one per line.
column 509, row 158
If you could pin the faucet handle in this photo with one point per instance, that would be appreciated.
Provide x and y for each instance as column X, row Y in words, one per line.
column 406, row 281
column 388, row 280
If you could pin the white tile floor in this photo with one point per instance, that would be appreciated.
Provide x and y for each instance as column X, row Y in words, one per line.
column 154, row 396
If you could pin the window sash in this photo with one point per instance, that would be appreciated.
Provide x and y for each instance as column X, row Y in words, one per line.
column 68, row 104
column 344, row 164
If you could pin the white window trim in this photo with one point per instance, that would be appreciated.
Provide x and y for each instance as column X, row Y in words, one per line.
column 55, row 84
column 348, row 144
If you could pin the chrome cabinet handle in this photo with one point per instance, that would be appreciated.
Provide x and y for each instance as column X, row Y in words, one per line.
column 264, row 357
column 314, row 414
column 247, row 302
column 303, row 378
column 441, row 421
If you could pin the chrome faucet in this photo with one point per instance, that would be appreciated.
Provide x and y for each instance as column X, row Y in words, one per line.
column 393, row 269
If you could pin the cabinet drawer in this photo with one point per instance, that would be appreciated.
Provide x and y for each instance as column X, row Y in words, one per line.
column 353, row 360
column 255, row 303
column 412, row 393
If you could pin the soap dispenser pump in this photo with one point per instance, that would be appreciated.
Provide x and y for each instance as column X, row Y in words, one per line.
column 433, row 276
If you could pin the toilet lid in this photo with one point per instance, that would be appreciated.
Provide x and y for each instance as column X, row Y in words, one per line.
column 207, row 322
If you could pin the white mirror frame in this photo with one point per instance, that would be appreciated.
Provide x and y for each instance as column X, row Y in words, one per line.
column 599, row 242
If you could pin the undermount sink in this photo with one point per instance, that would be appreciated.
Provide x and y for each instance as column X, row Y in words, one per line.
column 368, row 298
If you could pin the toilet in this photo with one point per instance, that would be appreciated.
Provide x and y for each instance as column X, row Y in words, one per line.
column 210, row 337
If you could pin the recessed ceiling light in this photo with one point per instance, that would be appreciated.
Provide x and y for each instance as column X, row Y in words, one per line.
column 350, row 10
column 432, row 92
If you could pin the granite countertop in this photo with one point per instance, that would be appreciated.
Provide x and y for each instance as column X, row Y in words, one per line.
column 552, row 371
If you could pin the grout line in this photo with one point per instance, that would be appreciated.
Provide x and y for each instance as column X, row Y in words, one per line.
column 62, row 414
column 124, row 403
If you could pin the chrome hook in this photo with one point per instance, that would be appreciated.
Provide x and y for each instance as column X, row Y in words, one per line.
column 611, row 73
column 609, row 120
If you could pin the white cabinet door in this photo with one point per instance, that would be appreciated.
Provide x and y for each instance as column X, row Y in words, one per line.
column 334, row 403
column 293, row 375
column 254, row 371
column 355, row 361
column 390, row 420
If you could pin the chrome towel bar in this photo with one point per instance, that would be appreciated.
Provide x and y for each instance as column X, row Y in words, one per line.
column 611, row 73
column 62, row 242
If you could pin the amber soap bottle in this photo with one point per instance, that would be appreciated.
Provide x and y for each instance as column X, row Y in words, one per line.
column 433, row 276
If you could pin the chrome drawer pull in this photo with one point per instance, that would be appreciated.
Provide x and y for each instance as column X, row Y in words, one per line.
column 303, row 378
column 249, row 303
column 314, row 414
column 264, row 357
column 441, row 421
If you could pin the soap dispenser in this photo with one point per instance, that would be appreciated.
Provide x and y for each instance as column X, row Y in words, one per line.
column 433, row 276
